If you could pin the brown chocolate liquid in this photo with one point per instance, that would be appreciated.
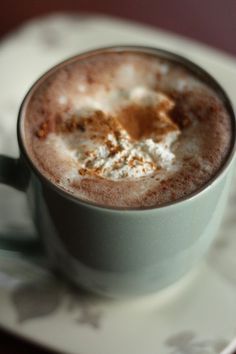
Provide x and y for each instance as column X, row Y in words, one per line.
column 198, row 112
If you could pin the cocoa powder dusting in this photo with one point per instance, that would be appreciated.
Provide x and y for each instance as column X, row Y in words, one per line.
column 98, row 123
column 145, row 121
column 139, row 122
column 43, row 130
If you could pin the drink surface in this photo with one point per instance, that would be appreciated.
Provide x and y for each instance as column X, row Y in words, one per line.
column 126, row 129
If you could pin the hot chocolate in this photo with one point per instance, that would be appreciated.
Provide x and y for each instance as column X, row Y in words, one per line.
column 126, row 129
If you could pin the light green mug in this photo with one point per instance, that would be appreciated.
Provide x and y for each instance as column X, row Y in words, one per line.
column 118, row 252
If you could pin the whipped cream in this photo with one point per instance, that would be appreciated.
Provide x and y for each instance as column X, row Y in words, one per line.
column 133, row 159
column 114, row 153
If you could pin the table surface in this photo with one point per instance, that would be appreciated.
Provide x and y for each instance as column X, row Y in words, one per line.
column 214, row 24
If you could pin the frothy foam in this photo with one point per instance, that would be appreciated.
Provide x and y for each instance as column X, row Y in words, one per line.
column 127, row 130
column 116, row 153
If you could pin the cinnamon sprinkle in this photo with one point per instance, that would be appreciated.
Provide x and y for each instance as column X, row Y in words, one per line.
column 43, row 130
column 83, row 171
column 138, row 121
column 146, row 121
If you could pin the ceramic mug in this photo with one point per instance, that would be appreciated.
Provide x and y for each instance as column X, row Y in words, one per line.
column 118, row 252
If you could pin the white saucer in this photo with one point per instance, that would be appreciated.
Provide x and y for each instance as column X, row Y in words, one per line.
column 195, row 316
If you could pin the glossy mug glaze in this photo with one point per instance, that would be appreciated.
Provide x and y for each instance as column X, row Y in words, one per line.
column 121, row 252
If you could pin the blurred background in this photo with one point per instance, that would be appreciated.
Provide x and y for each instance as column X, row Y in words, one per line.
column 210, row 21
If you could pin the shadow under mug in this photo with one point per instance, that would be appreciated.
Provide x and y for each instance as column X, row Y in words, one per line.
column 121, row 252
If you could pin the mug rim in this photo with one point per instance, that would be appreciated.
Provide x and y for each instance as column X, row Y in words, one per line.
column 163, row 54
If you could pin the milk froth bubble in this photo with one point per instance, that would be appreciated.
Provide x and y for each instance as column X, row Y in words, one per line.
column 127, row 130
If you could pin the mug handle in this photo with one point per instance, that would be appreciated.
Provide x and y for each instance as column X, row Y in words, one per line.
column 14, row 174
